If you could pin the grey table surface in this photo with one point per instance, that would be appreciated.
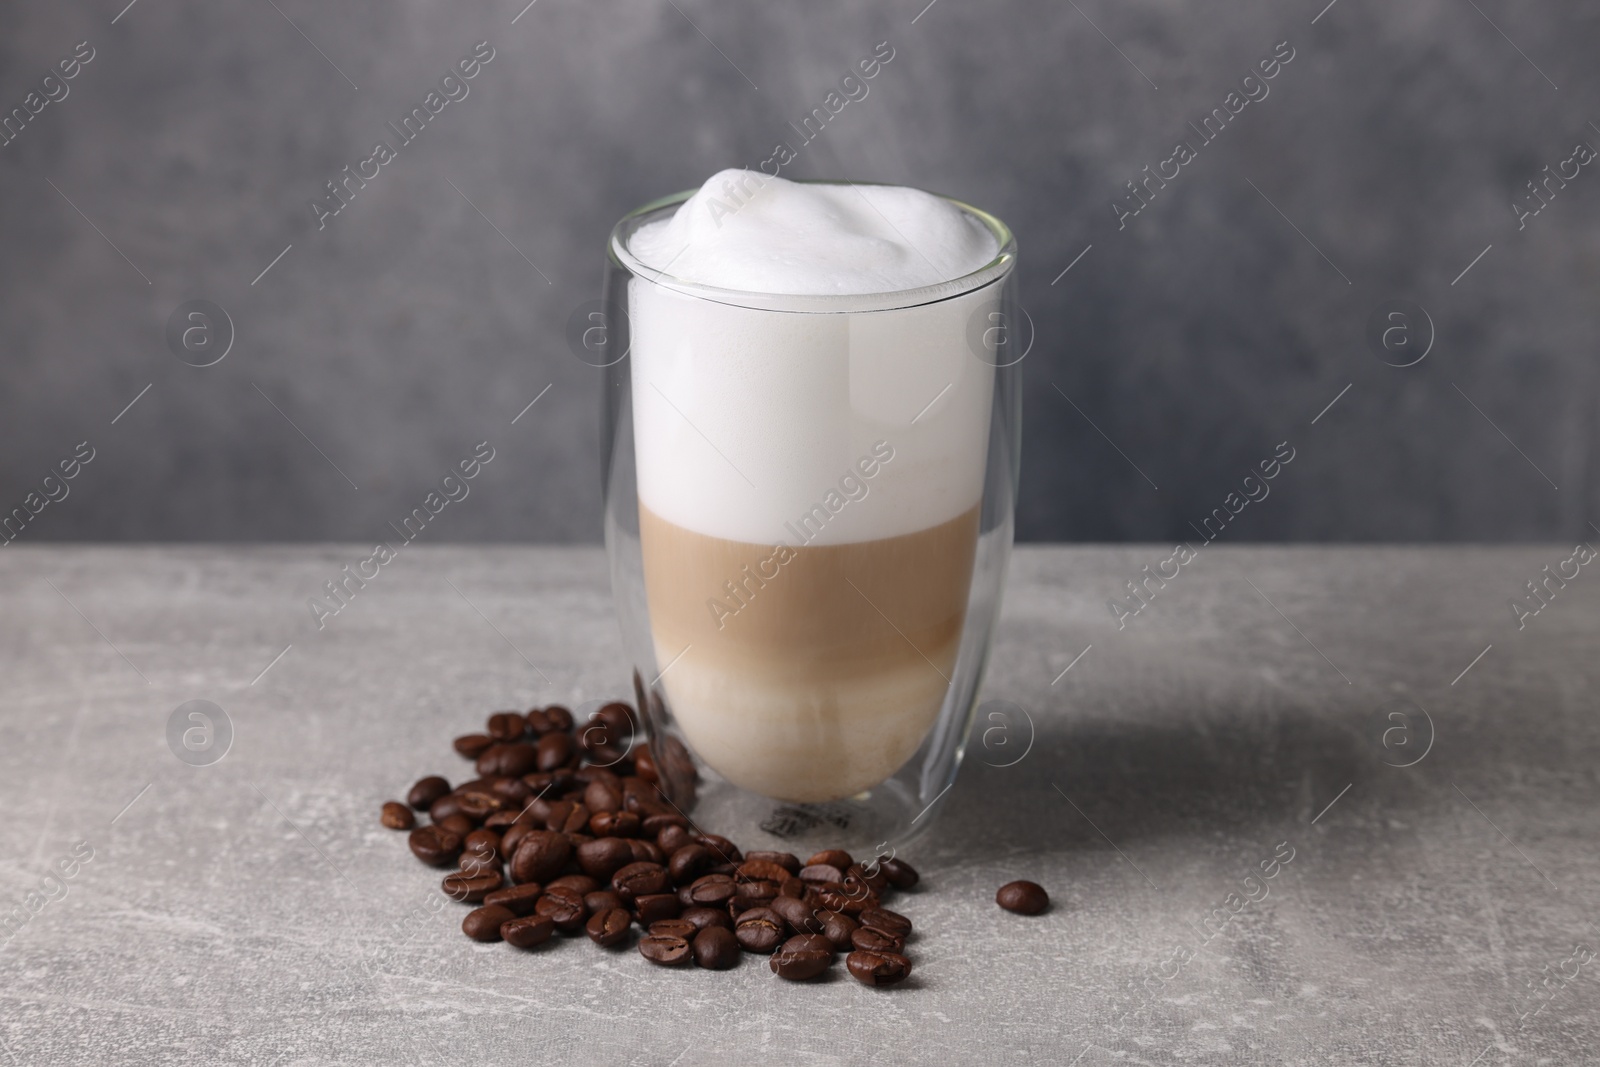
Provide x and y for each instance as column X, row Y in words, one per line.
column 1438, row 907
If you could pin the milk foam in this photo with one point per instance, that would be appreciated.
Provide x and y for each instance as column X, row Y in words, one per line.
column 748, row 418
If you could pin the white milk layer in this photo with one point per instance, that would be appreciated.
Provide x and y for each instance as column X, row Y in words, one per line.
column 748, row 419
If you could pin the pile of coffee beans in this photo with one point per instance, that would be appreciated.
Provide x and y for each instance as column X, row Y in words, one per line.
column 566, row 830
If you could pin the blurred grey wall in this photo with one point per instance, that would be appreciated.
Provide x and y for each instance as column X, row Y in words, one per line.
column 1183, row 345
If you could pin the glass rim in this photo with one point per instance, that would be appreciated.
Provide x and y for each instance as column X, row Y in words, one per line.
column 832, row 303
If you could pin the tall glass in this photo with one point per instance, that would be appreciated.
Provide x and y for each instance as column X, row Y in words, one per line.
column 808, row 513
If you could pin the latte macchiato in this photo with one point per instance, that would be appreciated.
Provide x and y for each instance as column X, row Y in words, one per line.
column 809, row 481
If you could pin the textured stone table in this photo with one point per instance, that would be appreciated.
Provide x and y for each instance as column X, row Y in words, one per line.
column 1264, row 705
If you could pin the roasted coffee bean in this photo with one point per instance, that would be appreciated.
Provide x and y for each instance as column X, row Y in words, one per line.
column 688, row 863
column 838, row 929
column 712, row 890
column 760, row 930
column 801, row 916
column 514, row 791
column 507, row 726
column 890, row 922
column 551, row 785
column 737, row 906
column 653, row 907
column 604, row 857
column 832, row 857
column 499, row 820
column 722, row 849
column 1024, row 898
column 456, row 823
column 869, row 939
column 470, row 888
column 672, row 836
column 704, row 917
column 577, row 841
column 644, row 764
column 614, row 824
column 426, row 791
column 878, row 968
column 603, row 900
column 674, row 927
column 639, row 879
column 483, row 924
column 528, row 931
column 554, row 752
column 874, row 879
column 852, row 900
column 787, row 860
column 396, row 816
column 564, row 907
column 576, row 820
column 715, row 948
column 435, row 845
column 756, row 892
column 603, row 795
column 537, row 721
column 665, row 949
column 485, row 841
column 517, row 899
column 478, row 805
column 513, row 837
column 444, row 807
column 609, row 927
column 762, row 871
column 582, row 884
column 802, row 957
column 514, row 758
column 821, row 874
column 647, row 851
column 559, row 717
column 540, row 856
column 901, row 874
column 473, row 745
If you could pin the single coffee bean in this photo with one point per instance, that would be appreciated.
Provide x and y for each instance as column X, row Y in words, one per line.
column 559, row 717
column 760, row 930
column 609, row 927
column 833, row 857
column 675, row 927
column 639, row 879
column 603, row 857
column 444, row 807
column 644, row 764
column 704, row 917
column 878, row 968
column 537, row 721
column 787, row 860
column 1024, row 898
column 499, row 820
column 901, row 874
column 517, row 899
column 555, row 751
column 603, row 900
column 514, row 791
column 540, row 856
column 666, row 950
column 507, row 726
column 801, row 916
column 483, row 924
column 762, row 871
column 435, row 845
column 485, row 841
column 821, row 874
column 758, row 892
column 715, row 948
column 671, row 837
column 528, row 931
column 514, row 758
column 838, row 929
column 711, row 890
column 602, row 795
column 426, row 791
column 869, row 939
column 582, row 884
column 802, row 957
column 470, row 888
column 513, row 837
column 647, row 851
column 688, row 863
column 890, row 922
column 564, row 907
column 473, row 745
column 456, row 823
column 479, row 804
column 614, row 824
column 874, row 879
column 396, row 816
column 722, row 849
column 793, row 887
column 653, row 907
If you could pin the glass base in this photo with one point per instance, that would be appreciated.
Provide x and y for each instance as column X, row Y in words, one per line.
column 882, row 819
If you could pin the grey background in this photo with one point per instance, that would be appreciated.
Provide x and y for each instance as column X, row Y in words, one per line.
column 1191, row 342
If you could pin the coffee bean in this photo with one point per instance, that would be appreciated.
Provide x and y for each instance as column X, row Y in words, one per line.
column 609, row 927
column 674, row 927
column 559, row 718
column 644, row 764
column 835, row 898
column 760, row 930
column 470, row 888
column 517, row 899
column 647, row 851
column 711, row 890
column 874, row 879
column 821, row 874
column 507, row 726
column 838, row 929
column 786, row 860
column 564, row 907
column 513, row 758
column 756, row 892
column 639, row 879
column 426, row 791
column 513, row 837
column 478, row 804
column 666, row 950
column 793, row 887
column 396, row 816
column 435, row 845
column 603, row 795
column 724, row 850
column 604, row 857
column 878, row 968
column 540, row 856
column 868, row 939
column 483, row 924
column 444, row 807
column 716, row 949
column 538, row 722
column 688, row 863
column 1024, row 898
column 603, row 900
column 484, row 841
column 802, row 957
column 554, row 751
column 890, row 922
column 833, row 857
column 581, row 884
column 672, row 836
column 456, row 823
column 800, row 916
column 653, row 907
column 614, row 824
column 514, row 791
column 527, row 931
column 473, row 745
column 704, row 917
column 762, row 871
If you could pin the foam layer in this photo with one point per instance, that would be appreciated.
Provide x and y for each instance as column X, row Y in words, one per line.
column 746, row 420
column 746, row 231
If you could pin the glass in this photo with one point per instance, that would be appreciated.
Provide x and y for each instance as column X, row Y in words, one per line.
column 808, row 514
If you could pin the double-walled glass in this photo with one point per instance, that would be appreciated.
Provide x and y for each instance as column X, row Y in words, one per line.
column 808, row 513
